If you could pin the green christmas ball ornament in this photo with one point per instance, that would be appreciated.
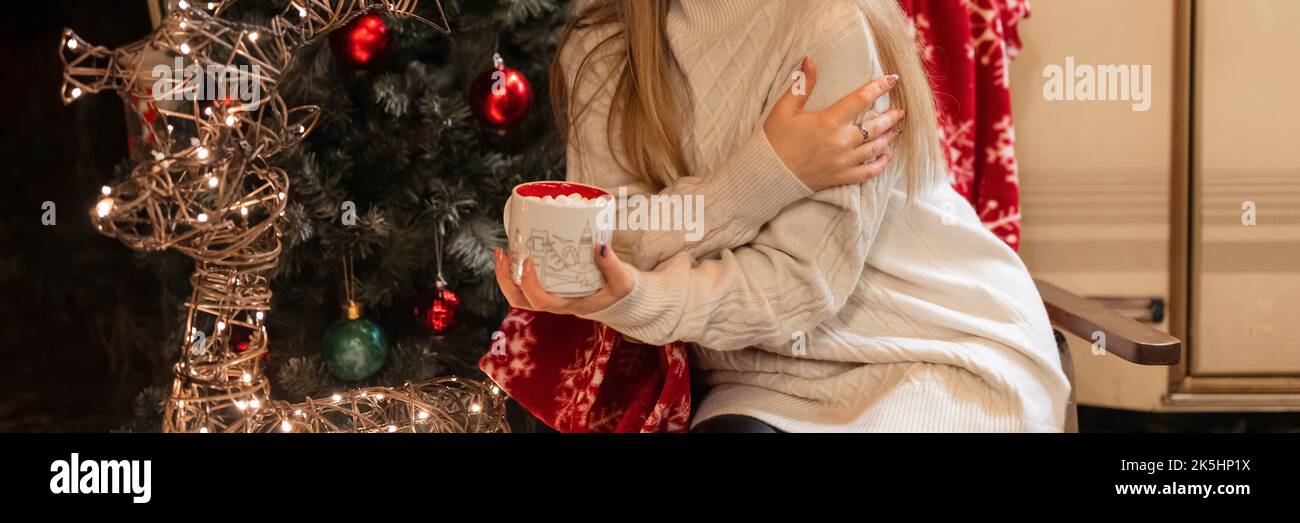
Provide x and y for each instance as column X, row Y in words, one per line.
column 354, row 348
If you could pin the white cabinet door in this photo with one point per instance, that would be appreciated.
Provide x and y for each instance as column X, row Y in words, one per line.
column 1246, row 189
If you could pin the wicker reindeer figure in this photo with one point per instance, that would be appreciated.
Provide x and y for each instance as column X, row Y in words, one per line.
column 211, row 117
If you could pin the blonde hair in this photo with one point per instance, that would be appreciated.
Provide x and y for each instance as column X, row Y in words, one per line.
column 646, row 112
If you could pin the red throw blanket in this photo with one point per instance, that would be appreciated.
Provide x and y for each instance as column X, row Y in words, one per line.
column 581, row 376
column 968, row 45
column 577, row 375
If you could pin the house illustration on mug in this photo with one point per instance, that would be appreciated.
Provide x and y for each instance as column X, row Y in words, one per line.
column 563, row 264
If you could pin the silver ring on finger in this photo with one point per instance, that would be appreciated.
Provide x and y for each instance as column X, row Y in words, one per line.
column 866, row 135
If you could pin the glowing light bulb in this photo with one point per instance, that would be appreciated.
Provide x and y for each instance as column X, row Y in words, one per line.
column 202, row 153
column 285, row 426
column 423, row 415
column 76, row 92
column 336, row 397
column 203, row 430
column 221, row 325
column 185, row 48
column 183, row 4
column 248, row 378
column 72, row 44
column 379, row 396
column 252, row 37
column 259, row 315
column 104, row 207
column 203, row 217
column 243, row 211
column 212, row 5
column 392, row 428
column 281, row 195
column 106, row 190
column 475, row 408
column 240, row 404
column 212, row 182
column 255, row 404
column 170, row 128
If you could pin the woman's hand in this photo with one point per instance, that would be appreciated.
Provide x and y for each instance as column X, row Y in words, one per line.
column 826, row 149
column 619, row 282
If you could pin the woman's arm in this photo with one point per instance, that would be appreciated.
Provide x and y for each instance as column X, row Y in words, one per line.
column 738, row 198
column 794, row 275
column 740, row 195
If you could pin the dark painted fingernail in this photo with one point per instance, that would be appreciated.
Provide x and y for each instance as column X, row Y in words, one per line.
column 603, row 249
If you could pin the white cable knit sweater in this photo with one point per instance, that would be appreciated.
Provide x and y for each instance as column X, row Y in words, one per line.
column 912, row 316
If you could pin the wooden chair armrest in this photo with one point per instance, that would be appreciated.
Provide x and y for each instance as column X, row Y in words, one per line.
column 1125, row 337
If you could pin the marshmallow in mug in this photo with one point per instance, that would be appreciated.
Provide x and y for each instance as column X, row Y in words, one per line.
column 571, row 200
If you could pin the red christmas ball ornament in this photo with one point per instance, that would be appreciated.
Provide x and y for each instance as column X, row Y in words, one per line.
column 362, row 44
column 501, row 96
column 439, row 315
column 240, row 337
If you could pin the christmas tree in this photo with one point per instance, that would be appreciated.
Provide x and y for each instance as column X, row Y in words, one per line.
column 395, row 198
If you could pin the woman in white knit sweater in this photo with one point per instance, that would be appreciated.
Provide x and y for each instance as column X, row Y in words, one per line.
column 841, row 285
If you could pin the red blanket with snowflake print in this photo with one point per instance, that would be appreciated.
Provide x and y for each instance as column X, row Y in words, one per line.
column 580, row 376
column 577, row 375
column 968, row 45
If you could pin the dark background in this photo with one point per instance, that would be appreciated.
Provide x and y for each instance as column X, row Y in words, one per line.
column 73, row 358
column 66, row 361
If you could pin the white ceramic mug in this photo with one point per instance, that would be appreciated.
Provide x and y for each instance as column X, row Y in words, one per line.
column 560, row 238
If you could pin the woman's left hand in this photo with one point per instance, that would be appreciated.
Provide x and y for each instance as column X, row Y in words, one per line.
column 619, row 282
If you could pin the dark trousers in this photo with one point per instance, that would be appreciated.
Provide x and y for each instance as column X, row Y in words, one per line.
column 734, row 424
